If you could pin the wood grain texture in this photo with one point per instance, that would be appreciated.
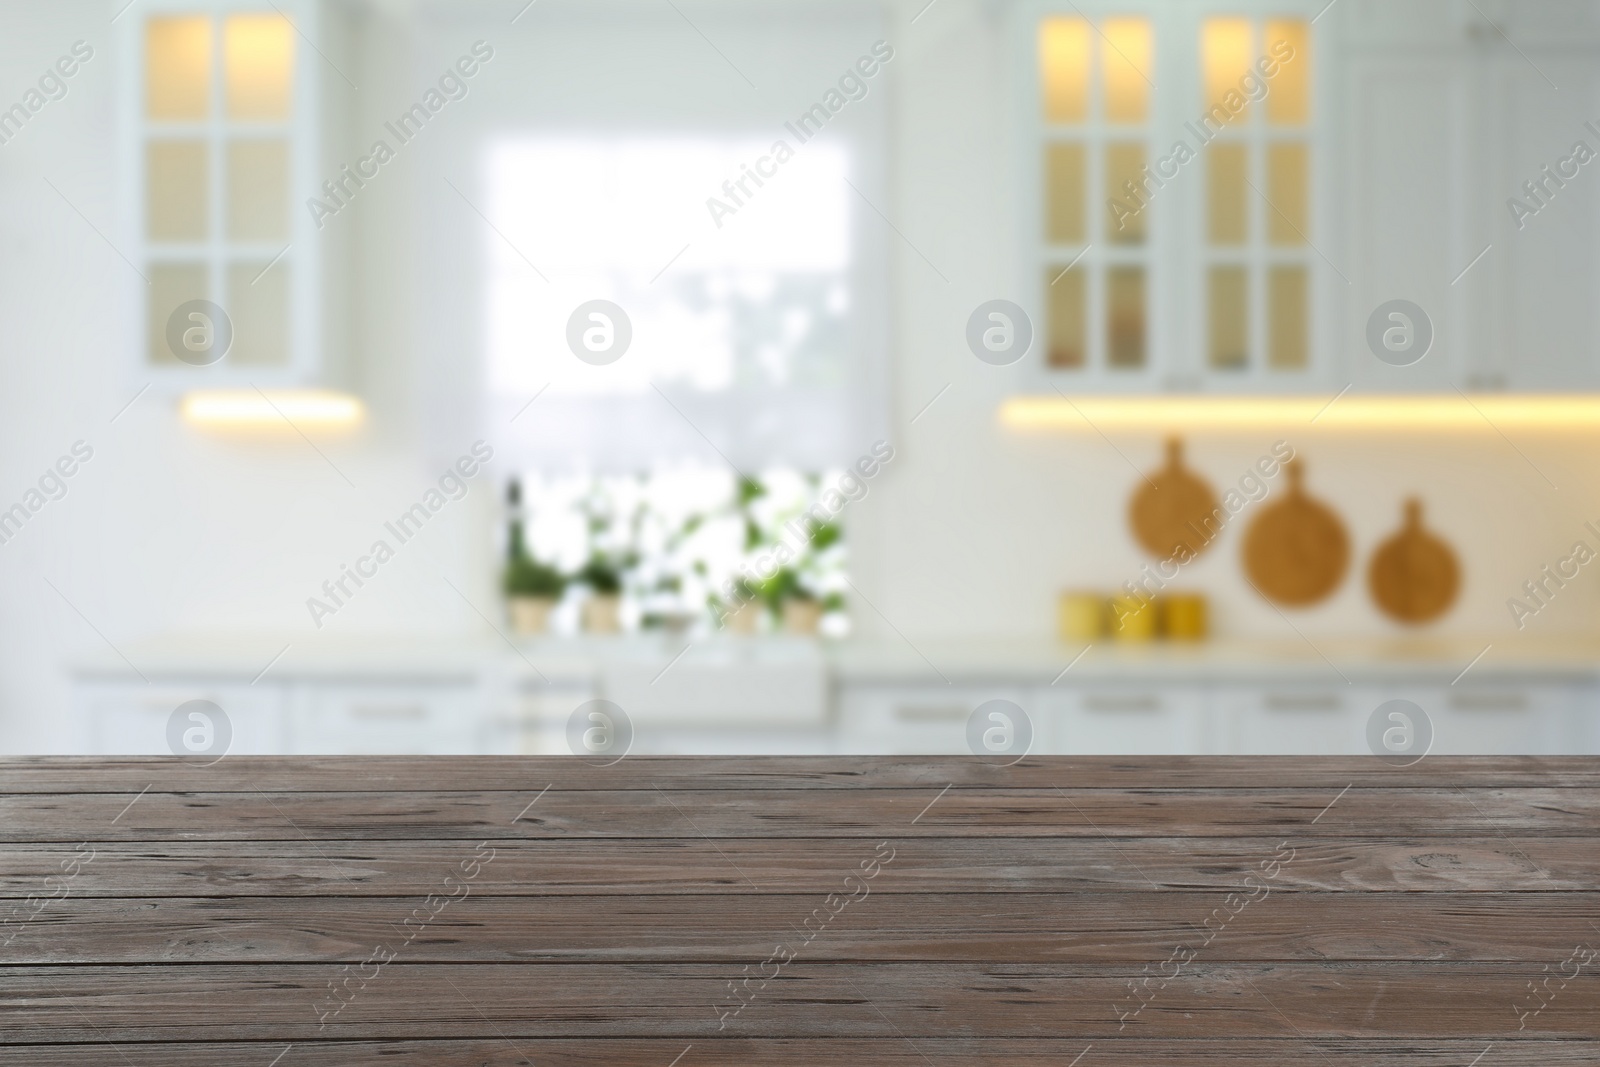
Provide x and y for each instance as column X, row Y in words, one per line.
column 502, row 913
column 726, row 928
column 745, row 865
column 410, row 774
column 472, row 815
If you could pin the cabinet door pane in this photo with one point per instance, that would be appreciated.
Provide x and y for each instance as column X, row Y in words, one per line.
column 1125, row 306
column 1067, row 322
column 1064, row 193
column 177, row 58
column 1230, row 321
column 1064, row 68
column 1289, row 91
column 1226, row 207
column 1287, row 315
column 171, row 284
column 1224, row 59
column 258, row 190
column 1124, row 165
column 259, row 55
column 1125, row 58
column 1287, row 220
column 176, row 190
column 258, row 303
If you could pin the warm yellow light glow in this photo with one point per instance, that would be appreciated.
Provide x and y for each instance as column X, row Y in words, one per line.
column 249, row 409
column 1225, row 57
column 1448, row 411
column 1126, row 62
column 178, row 67
column 1064, row 68
column 259, row 57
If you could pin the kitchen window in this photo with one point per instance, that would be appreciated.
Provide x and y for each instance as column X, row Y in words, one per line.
column 739, row 234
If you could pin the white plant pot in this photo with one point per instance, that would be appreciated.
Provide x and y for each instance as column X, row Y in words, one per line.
column 745, row 618
column 530, row 614
column 602, row 614
column 802, row 616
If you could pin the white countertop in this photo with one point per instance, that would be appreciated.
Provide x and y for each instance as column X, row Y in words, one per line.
column 577, row 659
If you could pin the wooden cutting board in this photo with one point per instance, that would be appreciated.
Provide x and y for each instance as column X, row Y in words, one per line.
column 1174, row 508
column 1296, row 551
column 1414, row 576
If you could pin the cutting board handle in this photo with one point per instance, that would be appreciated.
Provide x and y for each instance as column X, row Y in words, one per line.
column 1296, row 470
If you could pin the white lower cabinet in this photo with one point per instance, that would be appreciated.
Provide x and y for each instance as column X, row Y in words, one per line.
column 1122, row 719
column 425, row 717
column 132, row 718
column 1293, row 719
column 914, row 720
column 463, row 713
column 1514, row 719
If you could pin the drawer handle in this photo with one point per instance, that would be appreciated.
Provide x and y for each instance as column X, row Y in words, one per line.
column 1138, row 703
column 1489, row 701
column 389, row 712
column 1296, row 702
column 933, row 713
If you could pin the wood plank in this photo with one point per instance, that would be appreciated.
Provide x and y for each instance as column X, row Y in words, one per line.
column 819, row 1052
column 740, row 866
column 871, row 814
column 1068, row 928
column 517, row 774
column 265, row 1002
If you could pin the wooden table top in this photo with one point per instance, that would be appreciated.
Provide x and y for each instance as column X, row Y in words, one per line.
column 712, row 912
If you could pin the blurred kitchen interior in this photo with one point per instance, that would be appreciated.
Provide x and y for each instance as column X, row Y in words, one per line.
column 577, row 505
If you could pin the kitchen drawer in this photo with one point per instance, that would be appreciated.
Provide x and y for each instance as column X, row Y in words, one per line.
column 530, row 719
column 399, row 718
column 1119, row 719
column 130, row 718
column 1296, row 719
column 1485, row 718
column 917, row 720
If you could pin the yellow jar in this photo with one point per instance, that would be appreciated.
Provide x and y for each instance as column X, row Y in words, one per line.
column 1081, row 617
column 1133, row 618
column 1184, row 616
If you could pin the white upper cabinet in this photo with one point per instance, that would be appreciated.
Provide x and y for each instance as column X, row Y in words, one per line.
column 1544, row 276
column 218, row 130
column 1223, row 198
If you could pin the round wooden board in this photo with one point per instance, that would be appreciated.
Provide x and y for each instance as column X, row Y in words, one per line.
column 1174, row 508
column 1296, row 551
column 1414, row 576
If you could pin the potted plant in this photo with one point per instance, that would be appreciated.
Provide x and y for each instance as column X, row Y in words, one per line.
column 532, row 589
column 602, row 612
column 793, row 602
column 743, row 614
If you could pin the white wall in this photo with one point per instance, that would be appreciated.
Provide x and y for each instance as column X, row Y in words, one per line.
column 970, row 533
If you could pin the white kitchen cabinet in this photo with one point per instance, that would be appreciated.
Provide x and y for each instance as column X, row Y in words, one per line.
column 221, row 122
column 1104, row 718
column 1447, row 121
column 420, row 717
column 1413, row 226
column 1294, row 718
column 912, row 719
column 1544, row 270
column 1490, row 718
column 130, row 717
column 528, row 717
